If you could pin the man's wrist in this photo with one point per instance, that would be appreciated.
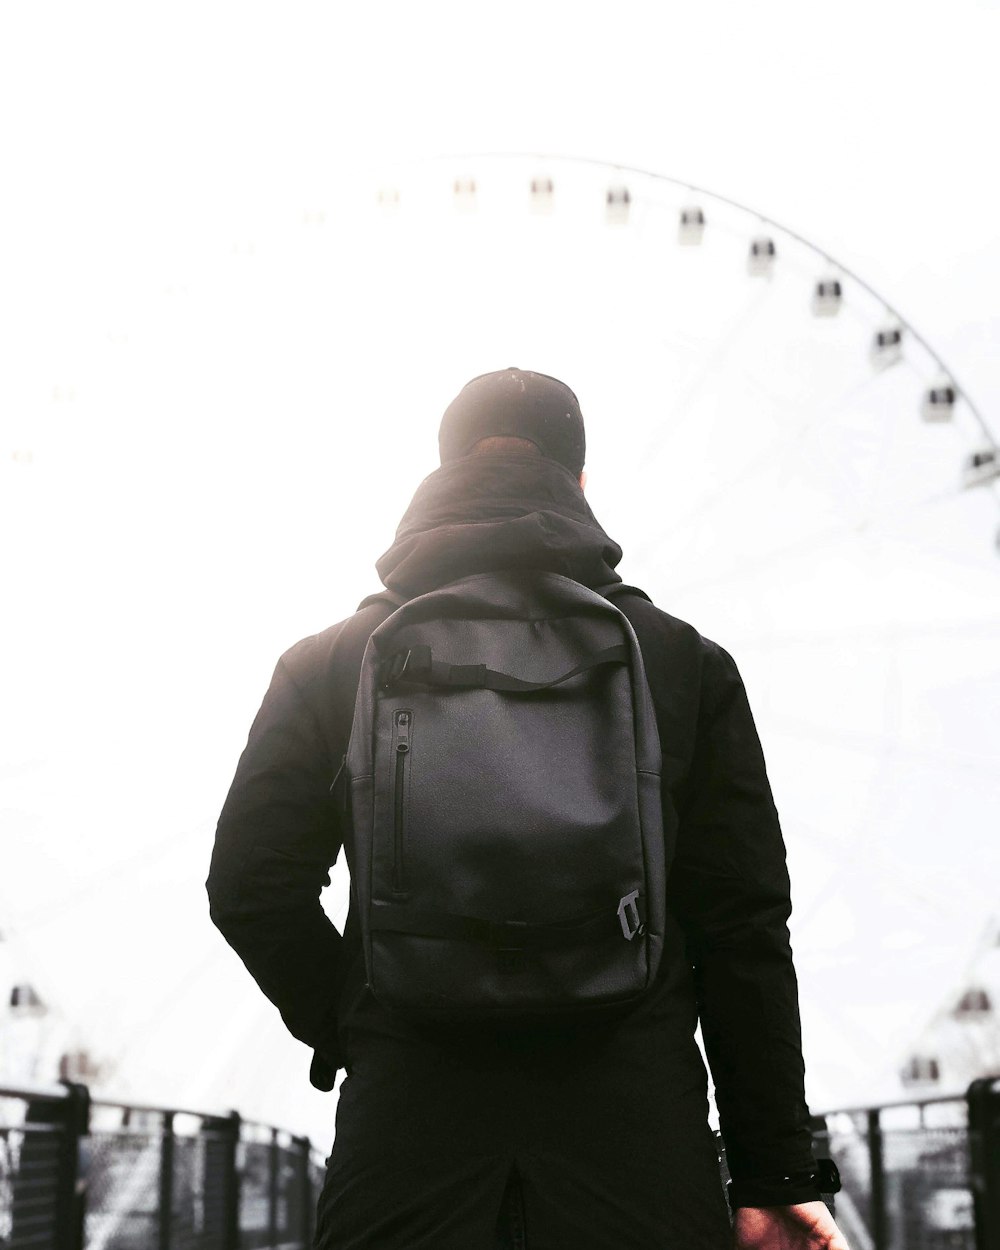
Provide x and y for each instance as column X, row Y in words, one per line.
column 805, row 1185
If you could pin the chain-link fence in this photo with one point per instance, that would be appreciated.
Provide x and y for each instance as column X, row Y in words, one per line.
column 276, row 1190
column 76, row 1175
column 123, row 1189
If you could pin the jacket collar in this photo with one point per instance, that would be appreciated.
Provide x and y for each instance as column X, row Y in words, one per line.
column 486, row 513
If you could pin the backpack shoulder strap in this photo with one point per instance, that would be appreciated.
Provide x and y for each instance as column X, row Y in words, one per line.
column 611, row 590
column 620, row 595
column 352, row 638
column 383, row 596
column 349, row 650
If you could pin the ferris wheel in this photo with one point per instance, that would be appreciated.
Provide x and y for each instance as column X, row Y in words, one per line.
column 786, row 461
column 792, row 467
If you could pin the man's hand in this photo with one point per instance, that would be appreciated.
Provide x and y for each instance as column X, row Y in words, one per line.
column 798, row 1226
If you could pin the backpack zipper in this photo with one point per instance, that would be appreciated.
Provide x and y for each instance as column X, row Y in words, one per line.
column 402, row 723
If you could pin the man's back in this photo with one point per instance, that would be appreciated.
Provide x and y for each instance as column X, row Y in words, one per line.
column 604, row 1125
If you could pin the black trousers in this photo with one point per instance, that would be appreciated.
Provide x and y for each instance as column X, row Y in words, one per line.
column 568, row 1140
column 540, row 1202
column 510, row 1222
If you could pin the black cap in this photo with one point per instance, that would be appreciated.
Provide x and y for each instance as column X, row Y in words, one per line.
column 516, row 403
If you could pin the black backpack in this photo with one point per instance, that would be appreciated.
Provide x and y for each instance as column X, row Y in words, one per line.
column 504, row 826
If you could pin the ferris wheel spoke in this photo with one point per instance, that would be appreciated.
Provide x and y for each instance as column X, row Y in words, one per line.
column 886, row 634
column 899, row 878
column 202, row 964
column 138, row 862
column 956, row 559
column 851, row 531
column 766, row 456
column 881, row 744
column 683, row 409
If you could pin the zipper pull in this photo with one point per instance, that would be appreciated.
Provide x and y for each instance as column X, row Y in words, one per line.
column 402, row 732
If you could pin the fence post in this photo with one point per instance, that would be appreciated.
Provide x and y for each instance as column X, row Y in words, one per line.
column 983, row 1098
column 305, row 1191
column 273, row 1164
column 222, row 1215
column 71, row 1212
column 166, row 1205
column 880, row 1228
column 231, row 1238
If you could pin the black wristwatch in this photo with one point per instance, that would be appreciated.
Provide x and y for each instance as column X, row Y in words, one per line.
column 807, row 1185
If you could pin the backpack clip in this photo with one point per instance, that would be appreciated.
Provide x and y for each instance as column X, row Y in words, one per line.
column 629, row 918
column 393, row 668
column 414, row 660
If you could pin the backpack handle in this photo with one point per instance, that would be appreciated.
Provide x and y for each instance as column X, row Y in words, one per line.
column 418, row 665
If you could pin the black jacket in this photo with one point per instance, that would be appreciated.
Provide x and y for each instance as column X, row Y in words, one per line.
column 727, row 954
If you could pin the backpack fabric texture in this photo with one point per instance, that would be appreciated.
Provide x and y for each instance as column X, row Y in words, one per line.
column 505, row 829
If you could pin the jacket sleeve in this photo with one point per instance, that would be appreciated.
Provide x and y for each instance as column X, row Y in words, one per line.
column 730, row 890
column 276, row 840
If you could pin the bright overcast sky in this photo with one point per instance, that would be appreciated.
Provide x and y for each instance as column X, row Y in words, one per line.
column 172, row 417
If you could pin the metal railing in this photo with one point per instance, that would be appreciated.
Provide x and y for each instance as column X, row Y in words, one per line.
column 77, row 1172
column 918, row 1175
column 83, row 1174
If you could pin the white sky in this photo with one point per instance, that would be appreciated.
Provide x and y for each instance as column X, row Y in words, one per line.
column 203, row 373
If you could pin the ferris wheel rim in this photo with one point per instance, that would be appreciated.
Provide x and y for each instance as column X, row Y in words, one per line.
column 832, row 261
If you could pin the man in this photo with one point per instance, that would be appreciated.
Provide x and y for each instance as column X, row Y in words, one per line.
column 552, row 1138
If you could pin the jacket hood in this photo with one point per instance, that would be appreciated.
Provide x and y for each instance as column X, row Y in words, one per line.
column 482, row 514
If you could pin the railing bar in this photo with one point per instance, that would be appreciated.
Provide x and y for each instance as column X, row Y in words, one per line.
column 958, row 1099
column 160, row 1109
column 35, row 1093
column 37, row 1219
column 113, row 1134
column 44, row 1219
column 944, row 1131
column 22, row 1185
column 34, row 1165
column 34, row 1130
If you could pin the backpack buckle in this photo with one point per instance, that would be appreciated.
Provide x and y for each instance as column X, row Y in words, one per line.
column 629, row 918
